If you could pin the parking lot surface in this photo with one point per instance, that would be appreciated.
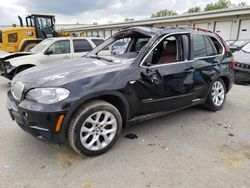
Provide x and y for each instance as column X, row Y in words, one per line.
column 190, row 148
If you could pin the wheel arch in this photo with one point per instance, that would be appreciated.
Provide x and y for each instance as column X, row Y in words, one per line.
column 115, row 98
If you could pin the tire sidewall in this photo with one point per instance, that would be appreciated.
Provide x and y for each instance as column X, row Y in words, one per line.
column 210, row 104
column 81, row 119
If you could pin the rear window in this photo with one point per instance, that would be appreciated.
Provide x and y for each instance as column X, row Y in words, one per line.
column 81, row 45
column 199, row 46
column 97, row 42
column 217, row 45
column 1, row 37
column 204, row 45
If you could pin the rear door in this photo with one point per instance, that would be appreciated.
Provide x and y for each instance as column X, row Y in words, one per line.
column 166, row 81
column 207, row 54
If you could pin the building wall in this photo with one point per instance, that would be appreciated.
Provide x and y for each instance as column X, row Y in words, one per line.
column 226, row 23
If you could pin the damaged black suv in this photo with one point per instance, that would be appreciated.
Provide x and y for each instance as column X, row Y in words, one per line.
column 88, row 100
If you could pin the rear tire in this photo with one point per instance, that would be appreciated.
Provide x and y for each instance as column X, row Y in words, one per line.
column 94, row 128
column 217, row 95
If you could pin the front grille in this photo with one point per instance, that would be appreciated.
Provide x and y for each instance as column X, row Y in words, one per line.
column 17, row 90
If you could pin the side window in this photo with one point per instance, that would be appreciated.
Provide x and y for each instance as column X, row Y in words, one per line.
column 12, row 38
column 60, row 47
column 210, row 48
column 165, row 52
column 97, row 42
column 199, row 46
column 81, row 45
column 218, row 47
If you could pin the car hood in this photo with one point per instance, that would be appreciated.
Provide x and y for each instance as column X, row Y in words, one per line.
column 242, row 57
column 63, row 72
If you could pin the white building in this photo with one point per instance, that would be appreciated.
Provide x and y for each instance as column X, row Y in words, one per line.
column 232, row 23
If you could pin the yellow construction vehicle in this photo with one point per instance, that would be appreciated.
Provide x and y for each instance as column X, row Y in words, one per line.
column 23, row 38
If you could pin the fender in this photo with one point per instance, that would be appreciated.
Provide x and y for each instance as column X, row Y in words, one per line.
column 86, row 98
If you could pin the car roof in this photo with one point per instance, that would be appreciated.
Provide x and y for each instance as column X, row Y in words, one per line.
column 155, row 31
column 66, row 38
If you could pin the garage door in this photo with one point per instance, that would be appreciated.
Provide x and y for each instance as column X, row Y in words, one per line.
column 107, row 34
column 224, row 29
column 202, row 25
column 244, row 32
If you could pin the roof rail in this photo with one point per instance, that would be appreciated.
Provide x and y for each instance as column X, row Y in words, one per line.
column 204, row 30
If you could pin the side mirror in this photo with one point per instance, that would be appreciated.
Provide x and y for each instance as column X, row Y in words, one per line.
column 48, row 52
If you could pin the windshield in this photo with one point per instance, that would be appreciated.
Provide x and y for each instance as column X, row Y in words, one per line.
column 40, row 47
column 119, row 47
column 246, row 48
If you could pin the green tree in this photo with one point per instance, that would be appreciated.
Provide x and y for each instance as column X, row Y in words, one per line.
column 218, row 5
column 165, row 12
column 194, row 9
column 95, row 23
column 243, row 4
column 128, row 19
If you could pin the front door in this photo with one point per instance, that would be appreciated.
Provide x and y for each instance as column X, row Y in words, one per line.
column 166, row 80
column 59, row 50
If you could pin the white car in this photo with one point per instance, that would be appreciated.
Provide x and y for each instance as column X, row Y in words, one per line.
column 49, row 50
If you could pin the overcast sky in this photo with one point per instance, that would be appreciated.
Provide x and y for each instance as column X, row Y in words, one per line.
column 89, row 11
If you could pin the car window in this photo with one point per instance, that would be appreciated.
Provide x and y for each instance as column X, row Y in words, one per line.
column 97, row 42
column 217, row 45
column 210, row 49
column 165, row 52
column 140, row 43
column 199, row 46
column 81, row 45
column 60, row 47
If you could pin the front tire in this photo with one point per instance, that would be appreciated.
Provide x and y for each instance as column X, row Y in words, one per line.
column 94, row 128
column 217, row 96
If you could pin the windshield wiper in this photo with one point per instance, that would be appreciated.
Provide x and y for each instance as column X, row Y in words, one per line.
column 101, row 57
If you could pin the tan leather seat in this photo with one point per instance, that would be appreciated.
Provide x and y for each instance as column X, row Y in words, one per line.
column 169, row 53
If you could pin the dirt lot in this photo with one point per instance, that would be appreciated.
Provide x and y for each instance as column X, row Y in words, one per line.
column 191, row 148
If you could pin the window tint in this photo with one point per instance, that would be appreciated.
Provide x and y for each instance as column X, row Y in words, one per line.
column 81, row 45
column 210, row 49
column 97, row 42
column 60, row 47
column 199, row 46
column 217, row 45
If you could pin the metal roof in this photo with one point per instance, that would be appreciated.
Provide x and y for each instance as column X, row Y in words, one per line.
column 169, row 19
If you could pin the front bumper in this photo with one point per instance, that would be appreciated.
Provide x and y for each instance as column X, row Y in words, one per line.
column 40, row 124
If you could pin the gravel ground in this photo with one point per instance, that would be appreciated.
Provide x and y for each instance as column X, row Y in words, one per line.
column 190, row 148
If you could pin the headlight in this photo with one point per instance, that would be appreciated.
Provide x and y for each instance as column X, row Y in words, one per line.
column 47, row 95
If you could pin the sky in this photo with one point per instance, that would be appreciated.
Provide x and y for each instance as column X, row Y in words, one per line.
column 89, row 11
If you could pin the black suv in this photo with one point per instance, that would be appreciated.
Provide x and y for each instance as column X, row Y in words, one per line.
column 88, row 100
